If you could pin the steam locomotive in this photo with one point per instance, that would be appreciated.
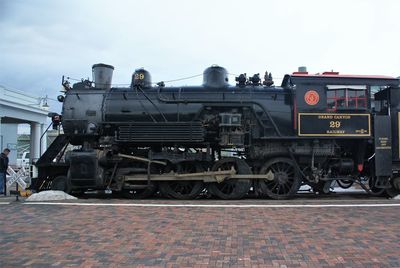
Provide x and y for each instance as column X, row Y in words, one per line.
column 225, row 141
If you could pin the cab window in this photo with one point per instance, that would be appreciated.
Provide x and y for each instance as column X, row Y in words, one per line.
column 340, row 97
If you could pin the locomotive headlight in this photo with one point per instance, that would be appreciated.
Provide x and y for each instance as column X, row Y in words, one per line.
column 60, row 98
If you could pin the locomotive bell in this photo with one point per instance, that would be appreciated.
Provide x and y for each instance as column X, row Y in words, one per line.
column 215, row 76
column 141, row 78
column 102, row 75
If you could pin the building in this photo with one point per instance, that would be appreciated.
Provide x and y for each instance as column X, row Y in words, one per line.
column 23, row 141
column 17, row 107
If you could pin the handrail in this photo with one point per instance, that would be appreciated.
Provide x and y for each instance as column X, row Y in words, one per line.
column 41, row 137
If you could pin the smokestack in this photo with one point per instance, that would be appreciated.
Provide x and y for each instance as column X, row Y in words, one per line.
column 102, row 75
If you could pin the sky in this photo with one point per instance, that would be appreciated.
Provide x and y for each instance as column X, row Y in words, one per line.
column 41, row 40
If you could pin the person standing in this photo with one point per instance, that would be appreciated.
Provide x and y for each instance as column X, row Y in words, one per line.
column 3, row 170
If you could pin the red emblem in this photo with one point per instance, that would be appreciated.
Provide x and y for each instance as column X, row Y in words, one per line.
column 311, row 97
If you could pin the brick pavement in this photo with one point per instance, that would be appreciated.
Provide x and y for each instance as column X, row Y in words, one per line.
column 71, row 236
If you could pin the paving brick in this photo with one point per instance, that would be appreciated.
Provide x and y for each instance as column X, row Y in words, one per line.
column 71, row 236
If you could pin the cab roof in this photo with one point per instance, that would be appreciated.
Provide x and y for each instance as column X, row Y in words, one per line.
column 336, row 78
column 337, row 75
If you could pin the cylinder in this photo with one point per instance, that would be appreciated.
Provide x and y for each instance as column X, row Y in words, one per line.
column 102, row 75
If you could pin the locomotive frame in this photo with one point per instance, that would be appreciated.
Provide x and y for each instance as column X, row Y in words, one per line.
column 226, row 141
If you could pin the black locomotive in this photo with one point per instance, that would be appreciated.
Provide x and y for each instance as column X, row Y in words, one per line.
column 226, row 141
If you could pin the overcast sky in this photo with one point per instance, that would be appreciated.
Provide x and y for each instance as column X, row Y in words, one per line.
column 42, row 40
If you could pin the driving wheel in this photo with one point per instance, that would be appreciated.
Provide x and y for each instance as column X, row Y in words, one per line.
column 231, row 188
column 285, row 183
column 183, row 189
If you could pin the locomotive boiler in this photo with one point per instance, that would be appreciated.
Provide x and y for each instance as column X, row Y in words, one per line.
column 225, row 140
